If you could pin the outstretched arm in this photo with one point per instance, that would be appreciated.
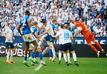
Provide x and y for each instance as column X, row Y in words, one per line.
column 19, row 29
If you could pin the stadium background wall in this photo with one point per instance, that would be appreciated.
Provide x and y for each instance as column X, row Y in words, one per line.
column 79, row 44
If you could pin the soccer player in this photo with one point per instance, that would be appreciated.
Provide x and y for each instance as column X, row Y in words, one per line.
column 66, row 38
column 9, row 42
column 32, row 52
column 54, row 25
column 24, row 30
column 89, row 37
column 48, row 36
column 34, row 30
column 32, row 56
column 59, row 37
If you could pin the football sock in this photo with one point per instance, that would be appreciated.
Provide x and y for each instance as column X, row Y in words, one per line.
column 93, row 48
column 53, row 51
column 40, row 56
column 98, row 45
column 33, row 54
column 45, row 50
column 50, row 53
column 11, row 55
column 59, row 54
column 74, row 56
column 25, row 57
column 65, row 57
column 68, row 57
column 8, row 54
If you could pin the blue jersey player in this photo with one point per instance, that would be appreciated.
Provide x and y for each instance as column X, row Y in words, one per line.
column 35, row 32
column 28, row 37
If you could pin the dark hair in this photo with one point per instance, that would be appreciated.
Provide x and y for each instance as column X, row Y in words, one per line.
column 27, row 12
column 35, row 23
column 62, row 25
column 54, row 20
column 66, row 25
column 82, row 19
column 43, row 21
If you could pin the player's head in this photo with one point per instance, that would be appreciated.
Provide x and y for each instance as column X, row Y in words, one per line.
column 27, row 12
column 55, row 21
column 44, row 21
column 82, row 19
column 62, row 26
column 77, row 18
column 66, row 26
column 35, row 24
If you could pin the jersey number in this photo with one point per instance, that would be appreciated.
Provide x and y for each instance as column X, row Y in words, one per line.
column 66, row 35
column 24, row 23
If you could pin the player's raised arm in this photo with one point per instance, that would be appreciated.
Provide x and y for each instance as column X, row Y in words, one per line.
column 71, row 37
column 78, row 30
column 30, row 22
column 34, row 29
column 18, row 27
column 78, row 27
column 46, row 29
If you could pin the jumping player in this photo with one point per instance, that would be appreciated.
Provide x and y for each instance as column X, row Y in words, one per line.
column 48, row 36
column 35, row 31
column 89, row 37
column 24, row 30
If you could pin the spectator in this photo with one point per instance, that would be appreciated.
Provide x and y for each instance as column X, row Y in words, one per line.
column 63, row 10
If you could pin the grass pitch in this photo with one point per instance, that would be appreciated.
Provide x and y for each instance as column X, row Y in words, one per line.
column 87, row 66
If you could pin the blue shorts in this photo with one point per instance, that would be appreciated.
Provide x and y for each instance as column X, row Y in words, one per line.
column 49, row 38
column 67, row 46
column 9, row 45
column 29, row 38
column 57, row 47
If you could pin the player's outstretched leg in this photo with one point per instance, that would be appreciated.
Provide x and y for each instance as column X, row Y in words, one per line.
column 53, row 52
column 50, row 55
column 41, row 58
column 11, row 56
column 74, row 58
column 65, row 58
column 68, row 57
column 25, row 55
column 8, row 57
column 99, row 46
column 94, row 49
column 33, row 53
column 59, row 56
column 42, row 63
column 32, row 57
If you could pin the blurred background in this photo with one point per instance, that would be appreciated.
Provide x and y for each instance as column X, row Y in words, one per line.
column 94, row 13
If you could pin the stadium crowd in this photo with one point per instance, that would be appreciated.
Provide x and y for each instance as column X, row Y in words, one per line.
column 94, row 13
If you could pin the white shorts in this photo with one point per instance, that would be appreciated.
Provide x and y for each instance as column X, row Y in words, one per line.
column 39, row 44
column 28, row 37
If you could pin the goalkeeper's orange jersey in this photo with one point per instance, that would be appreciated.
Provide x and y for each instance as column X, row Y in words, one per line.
column 85, row 31
column 82, row 25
